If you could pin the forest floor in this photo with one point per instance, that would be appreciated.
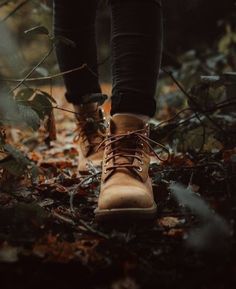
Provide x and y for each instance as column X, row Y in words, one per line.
column 49, row 239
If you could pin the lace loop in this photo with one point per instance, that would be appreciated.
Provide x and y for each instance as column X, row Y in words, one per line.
column 90, row 128
column 129, row 152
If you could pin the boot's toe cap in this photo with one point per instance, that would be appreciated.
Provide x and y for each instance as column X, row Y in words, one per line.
column 125, row 197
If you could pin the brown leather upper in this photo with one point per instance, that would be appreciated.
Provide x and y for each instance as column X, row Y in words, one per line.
column 125, row 150
column 125, row 181
column 90, row 133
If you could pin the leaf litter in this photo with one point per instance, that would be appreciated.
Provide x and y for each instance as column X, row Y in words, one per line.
column 51, row 220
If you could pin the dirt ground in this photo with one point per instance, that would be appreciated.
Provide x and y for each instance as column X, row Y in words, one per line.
column 49, row 239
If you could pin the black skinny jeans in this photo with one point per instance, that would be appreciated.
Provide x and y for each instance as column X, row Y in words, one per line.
column 136, row 43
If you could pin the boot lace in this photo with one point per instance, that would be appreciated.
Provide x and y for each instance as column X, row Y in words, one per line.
column 130, row 146
column 92, row 127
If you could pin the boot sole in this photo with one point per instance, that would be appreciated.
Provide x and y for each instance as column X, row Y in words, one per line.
column 126, row 214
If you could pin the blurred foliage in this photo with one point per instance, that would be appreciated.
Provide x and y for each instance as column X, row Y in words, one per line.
column 25, row 49
column 196, row 95
column 27, row 109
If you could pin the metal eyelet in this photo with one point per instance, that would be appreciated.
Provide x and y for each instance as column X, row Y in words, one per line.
column 105, row 164
column 139, row 169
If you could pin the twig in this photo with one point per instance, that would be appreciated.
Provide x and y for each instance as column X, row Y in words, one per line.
column 83, row 223
column 190, row 183
column 182, row 88
column 14, row 10
column 33, row 69
column 50, row 77
column 174, row 117
column 194, row 167
column 64, row 219
column 226, row 104
column 218, row 105
column 189, row 96
column 227, row 100
column 64, row 109
column 75, row 191
column 92, row 230
column 203, row 133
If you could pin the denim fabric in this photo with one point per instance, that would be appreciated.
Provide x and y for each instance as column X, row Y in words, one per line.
column 136, row 43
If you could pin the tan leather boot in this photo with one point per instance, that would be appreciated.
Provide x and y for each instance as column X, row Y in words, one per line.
column 126, row 189
column 91, row 132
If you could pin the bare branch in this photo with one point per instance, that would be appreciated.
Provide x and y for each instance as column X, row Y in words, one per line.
column 50, row 77
column 33, row 69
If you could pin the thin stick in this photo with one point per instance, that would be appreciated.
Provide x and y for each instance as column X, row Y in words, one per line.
column 50, row 77
column 181, row 87
column 75, row 191
column 192, row 99
column 33, row 69
column 92, row 230
column 64, row 219
column 64, row 109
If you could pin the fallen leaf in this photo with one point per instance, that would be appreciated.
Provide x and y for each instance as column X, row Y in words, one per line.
column 170, row 222
column 57, row 163
column 175, row 233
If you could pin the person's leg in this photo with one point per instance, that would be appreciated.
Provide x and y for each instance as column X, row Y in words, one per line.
column 75, row 20
column 126, row 188
column 136, row 54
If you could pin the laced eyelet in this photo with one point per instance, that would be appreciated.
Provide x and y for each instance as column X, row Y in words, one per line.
column 141, row 162
column 76, row 138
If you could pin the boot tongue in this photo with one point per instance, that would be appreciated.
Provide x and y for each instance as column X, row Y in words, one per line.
column 125, row 148
column 125, row 123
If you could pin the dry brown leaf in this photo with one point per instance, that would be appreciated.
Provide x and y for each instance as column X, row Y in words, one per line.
column 169, row 222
